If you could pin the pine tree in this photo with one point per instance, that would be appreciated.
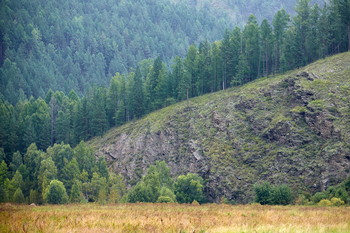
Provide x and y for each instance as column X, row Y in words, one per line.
column 190, row 78
column 70, row 173
column 47, row 173
column 251, row 42
column 3, row 177
column 280, row 23
column 343, row 9
column 302, row 27
column 242, row 71
column 18, row 196
column 137, row 95
column 266, row 42
column 75, row 193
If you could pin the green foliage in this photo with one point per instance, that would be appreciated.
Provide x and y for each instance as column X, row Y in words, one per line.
column 267, row 194
column 56, row 193
column 76, row 195
column 281, row 195
column 337, row 201
column 340, row 192
column 299, row 109
column 189, row 188
column 165, row 199
column 194, row 202
column 34, row 197
column 324, row 202
column 117, row 188
column 240, row 57
column 156, row 182
column 18, row 196
column 166, row 192
column 51, row 47
column 47, row 173
column 70, row 173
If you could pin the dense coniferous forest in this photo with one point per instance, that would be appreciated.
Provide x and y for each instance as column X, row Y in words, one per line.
column 239, row 10
column 58, row 122
column 73, row 45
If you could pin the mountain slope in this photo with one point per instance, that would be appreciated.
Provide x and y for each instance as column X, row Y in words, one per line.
column 291, row 129
column 65, row 45
column 238, row 11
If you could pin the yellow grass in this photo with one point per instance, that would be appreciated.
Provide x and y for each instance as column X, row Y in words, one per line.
column 173, row 218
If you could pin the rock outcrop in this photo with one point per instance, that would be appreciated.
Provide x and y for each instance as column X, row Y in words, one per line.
column 291, row 129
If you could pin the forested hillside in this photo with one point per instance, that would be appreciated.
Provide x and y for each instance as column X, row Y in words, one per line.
column 76, row 45
column 288, row 129
column 242, row 56
column 65, row 45
column 38, row 135
column 238, row 11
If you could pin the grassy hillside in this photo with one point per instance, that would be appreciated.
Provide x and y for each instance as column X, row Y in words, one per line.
column 292, row 129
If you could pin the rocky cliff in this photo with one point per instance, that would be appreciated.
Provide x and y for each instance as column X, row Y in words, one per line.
column 290, row 129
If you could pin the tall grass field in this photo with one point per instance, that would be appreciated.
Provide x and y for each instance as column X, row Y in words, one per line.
column 172, row 218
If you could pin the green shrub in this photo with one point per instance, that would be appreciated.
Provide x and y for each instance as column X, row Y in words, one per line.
column 263, row 193
column 189, row 188
column 302, row 200
column 317, row 104
column 318, row 197
column 299, row 109
column 267, row 194
column 281, row 195
column 324, row 202
column 56, row 193
column 194, row 202
column 165, row 199
column 337, row 201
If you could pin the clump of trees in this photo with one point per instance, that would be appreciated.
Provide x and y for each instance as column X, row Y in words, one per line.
column 158, row 186
column 268, row 194
column 65, row 175
column 333, row 196
column 59, row 175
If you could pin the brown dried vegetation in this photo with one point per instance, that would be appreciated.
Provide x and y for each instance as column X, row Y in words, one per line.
column 173, row 218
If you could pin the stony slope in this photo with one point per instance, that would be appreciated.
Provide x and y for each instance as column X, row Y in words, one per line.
column 291, row 129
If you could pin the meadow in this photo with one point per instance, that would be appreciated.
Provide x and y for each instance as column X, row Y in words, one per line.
column 172, row 218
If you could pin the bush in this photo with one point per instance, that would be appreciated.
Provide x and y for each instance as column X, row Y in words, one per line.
column 166, row 192
column 267, row 194
column 165, row 199
column 302, row 200
column 281, row 195
column 337, row 201
column 324, row 202
column 194, row 202
column 189, row 188
column 56, row 193
column 263, row 193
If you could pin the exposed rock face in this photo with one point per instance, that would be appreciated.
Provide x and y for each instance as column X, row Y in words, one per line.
column 284, row 130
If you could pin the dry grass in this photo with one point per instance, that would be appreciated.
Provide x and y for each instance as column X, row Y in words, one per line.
column 173, row 218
